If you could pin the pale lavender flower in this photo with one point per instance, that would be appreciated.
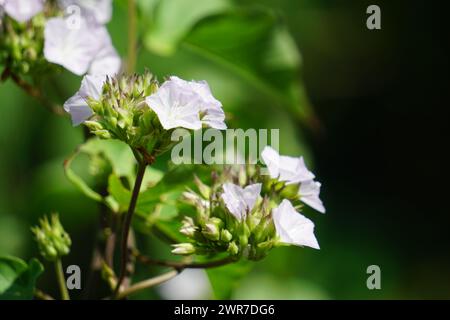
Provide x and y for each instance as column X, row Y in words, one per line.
column 72, row 48
column 179, row 103
column 99, row 10
column 91, row 87
column 292, row 227
column 240, row 201
column 22, row 10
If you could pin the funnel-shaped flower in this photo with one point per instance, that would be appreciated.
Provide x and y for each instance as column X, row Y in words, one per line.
column 292, row 227
column 91, row 87
column 179, row 103
column 240, row 201
column 22, row 10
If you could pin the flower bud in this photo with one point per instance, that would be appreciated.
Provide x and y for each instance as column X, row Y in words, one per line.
column 225, row 235
column 233, row 249
column 188, row 227
column 53, row 241
column 183, row 248
column 205, row 191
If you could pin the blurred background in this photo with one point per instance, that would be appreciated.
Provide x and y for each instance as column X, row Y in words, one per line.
column 365, row 108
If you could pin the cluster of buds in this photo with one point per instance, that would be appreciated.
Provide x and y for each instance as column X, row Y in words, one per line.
column 120, row 112
column 53, row 241
column 246, row 213
column 229, row 217
column 38, row 36
column 22, row 44
column 137, row 110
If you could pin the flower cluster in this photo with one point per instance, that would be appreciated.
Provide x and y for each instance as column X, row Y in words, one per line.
column 245, row 213
column 136, row 110
column 69, row 33
column 53, row 241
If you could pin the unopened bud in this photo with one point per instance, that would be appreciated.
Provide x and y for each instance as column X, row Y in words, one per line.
column 225, row 235
column 183, row 248
column 233, row 249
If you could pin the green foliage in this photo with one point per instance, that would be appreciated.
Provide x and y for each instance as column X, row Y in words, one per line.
column 224, row 280
column 17, row 278
column 251, row 42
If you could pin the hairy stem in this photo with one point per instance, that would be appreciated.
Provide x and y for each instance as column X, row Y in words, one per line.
column 148, row 283
column 127, row 224
column 61, row 280
column 132, row 36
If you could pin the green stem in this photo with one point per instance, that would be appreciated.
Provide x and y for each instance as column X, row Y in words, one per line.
column 180, row 265
column 127, row 223
column 147, row 284
column 61, row 280
column 132, row 36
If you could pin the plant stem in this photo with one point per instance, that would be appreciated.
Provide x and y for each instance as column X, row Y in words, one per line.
column 61, row 280
column 127, row 223
column 148, row 283
column 132, row 36
column 37, row 94
column 179, row 265
column 41, row 295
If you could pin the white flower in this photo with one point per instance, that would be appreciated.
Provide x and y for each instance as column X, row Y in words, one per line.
column 91, row 87
column 309, row 194
column 99, row 10
column 107, row 61
column 289, row 169
column 292, row 227
column 214, row 116
column 73, row 48
column 240, row 201
column 293, row 170
column 180, row 103
column 22, row 10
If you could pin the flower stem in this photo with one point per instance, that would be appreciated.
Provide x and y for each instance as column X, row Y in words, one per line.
column 132, row 36
column 148, row 283
column 127, row 223
column 180, row 265
column 61, row 280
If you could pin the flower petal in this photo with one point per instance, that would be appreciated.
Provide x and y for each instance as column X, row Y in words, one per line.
column 292, row 227
column 99, row 10
column 107, row 61
column 23, row 10
column 239, row 200
column 289, row 169
column 73, row 48
column 175, row 107
column 91, row 87
column 309, row 193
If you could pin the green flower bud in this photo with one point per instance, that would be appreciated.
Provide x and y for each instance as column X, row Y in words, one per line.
column 233, row 249
column 53, row 241
column 226, row 235
column 205, row 191
column 211, row 231
column 183, row 249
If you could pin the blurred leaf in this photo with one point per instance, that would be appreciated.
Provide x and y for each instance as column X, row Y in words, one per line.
column 173, row 19
column 224, row 280
column 17, row 279
column 250, row 42
column 257, row 47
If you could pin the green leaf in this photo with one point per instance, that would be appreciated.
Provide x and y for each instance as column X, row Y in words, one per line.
column 256, row 46
column 18, row 279
column 224, row 280
column 251, row 42
column 173, row 19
